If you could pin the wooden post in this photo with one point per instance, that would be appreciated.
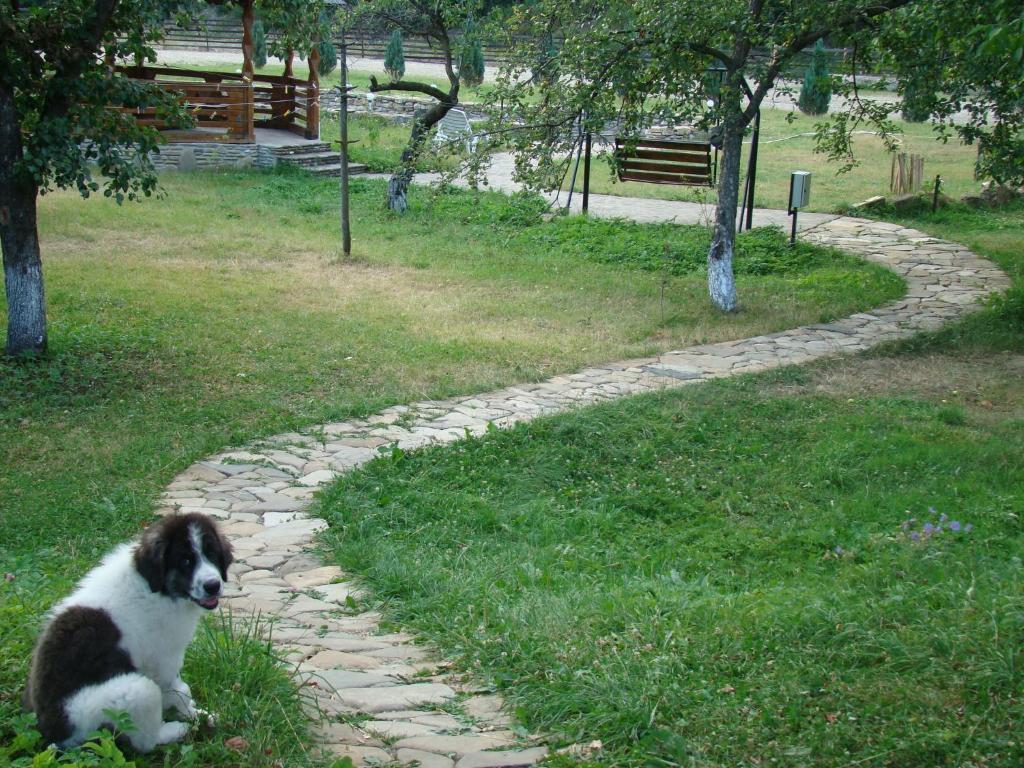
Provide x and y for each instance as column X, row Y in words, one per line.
column 313, row 96
column 288, row 112
column 247, row 68
column 346, row 228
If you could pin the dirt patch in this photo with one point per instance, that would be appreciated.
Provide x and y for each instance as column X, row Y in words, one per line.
column 991, row 384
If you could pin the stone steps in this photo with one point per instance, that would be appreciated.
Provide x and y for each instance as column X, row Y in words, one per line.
column 300, row 149
column 354, row 169
column 315, row 157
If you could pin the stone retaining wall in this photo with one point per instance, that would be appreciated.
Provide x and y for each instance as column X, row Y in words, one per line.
column 202, row 156
column 387, row 106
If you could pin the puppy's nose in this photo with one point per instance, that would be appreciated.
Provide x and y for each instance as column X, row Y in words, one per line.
column 212, row 587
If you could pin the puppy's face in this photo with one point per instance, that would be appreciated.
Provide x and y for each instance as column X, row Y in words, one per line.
column 185, row 557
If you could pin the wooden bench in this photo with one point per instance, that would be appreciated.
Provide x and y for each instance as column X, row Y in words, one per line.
column 454, row 127
column 665, row 162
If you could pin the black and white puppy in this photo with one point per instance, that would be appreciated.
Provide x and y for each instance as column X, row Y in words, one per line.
column 118, row 641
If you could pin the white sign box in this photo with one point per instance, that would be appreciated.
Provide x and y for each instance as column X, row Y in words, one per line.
column 799, row 189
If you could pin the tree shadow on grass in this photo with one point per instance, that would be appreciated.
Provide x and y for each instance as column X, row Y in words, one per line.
column 87, row 365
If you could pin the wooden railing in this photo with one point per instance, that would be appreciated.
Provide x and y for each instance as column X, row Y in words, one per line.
column 227, row 107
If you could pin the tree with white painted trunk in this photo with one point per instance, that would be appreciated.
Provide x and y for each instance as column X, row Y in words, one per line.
column 60, row 126
column 708, row 63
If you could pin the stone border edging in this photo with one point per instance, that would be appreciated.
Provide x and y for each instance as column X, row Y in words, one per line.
column 394, row 690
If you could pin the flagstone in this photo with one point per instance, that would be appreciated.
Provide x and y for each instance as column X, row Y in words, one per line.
column 397, row 697
column 460, row 746
column 423, row 759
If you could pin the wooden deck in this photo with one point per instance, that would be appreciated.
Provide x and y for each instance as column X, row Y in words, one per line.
column 230, row 107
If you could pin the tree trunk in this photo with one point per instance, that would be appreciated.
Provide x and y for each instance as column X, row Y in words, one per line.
column 19, row 240
column 721, row 282
column 398, row 185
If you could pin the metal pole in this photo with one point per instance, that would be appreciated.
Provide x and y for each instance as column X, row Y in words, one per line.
column 743, row 203
column 752, row 169
column 346, row 229
column 575, row 170
column 792, row 212
column 586, row 174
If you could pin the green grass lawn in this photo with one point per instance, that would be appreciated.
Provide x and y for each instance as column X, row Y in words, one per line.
column 738, row 573
column 378, row 143
column 223, row 312
column 779, row 155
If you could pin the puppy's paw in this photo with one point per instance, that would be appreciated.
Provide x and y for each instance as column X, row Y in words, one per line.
column 171, row 732
column 179, row 698
column 203, row 717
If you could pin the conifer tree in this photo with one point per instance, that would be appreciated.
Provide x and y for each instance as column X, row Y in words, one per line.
column 259, row 45
column 394, row 58
column 471, row 59
column 816, row 92
column 328, row 57
column 917, row 99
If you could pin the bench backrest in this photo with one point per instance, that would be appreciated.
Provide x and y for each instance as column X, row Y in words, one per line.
column 455, row 123
column 665, row 162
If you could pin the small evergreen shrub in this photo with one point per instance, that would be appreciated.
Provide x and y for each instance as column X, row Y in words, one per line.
column 259, row 45
column 394, row 58
column 328, row 57
column 816, row 92
column 546, row 68
column 917, row 101
column 471, row 58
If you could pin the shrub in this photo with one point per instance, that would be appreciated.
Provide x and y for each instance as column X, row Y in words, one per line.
column 817, row 88
column 917, row 101
column 545, row 69
column 259, row 45
column 328, row 57
column 471, row 58
column 394, row 59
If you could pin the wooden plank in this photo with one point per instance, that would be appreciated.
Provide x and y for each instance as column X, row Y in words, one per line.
column 148, row 73
column 661, row 154
column 695, row 169
column 682, row 146
column 666, row 178
column 277, row 79
column 209, row 103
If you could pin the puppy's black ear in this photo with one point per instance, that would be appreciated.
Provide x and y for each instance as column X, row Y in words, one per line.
column 224, row 553
column 151, row 556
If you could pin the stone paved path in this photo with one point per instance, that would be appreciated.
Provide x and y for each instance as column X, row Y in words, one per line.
column 400, row 702
column 644, row 210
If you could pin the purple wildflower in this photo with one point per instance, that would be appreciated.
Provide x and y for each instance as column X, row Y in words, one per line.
column 928, row 529
column 943, row 518
column 915, row 536
column 931, row 511
column 954, row 526
column 838, row 550
column 968, row 527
